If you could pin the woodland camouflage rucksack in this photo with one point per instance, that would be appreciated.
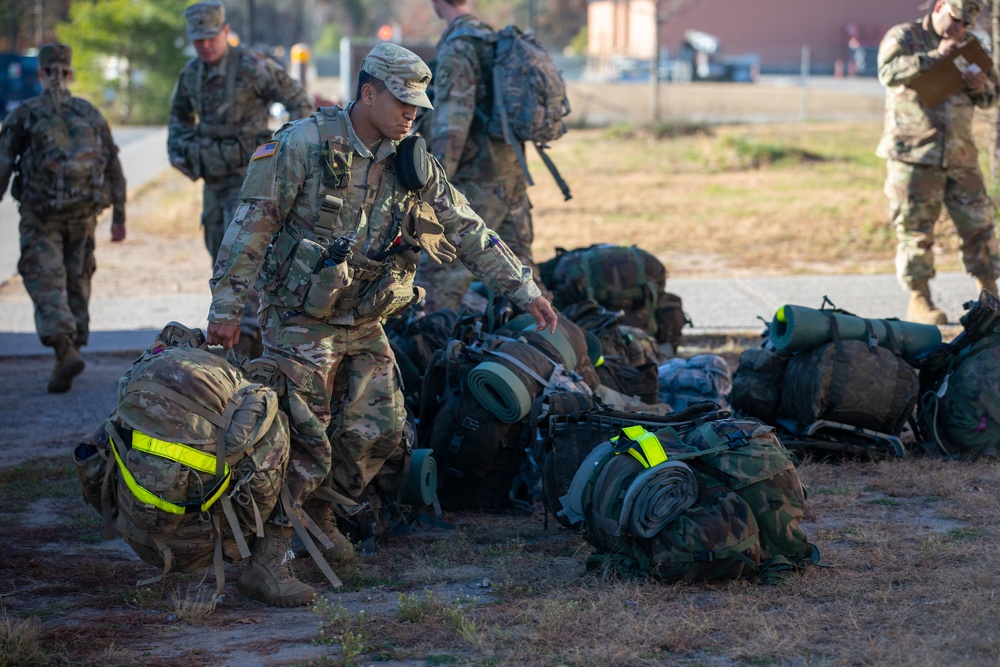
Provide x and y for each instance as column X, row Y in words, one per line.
column 618, row 278
column 742, row 515
column 62, row 171
column 959, row 409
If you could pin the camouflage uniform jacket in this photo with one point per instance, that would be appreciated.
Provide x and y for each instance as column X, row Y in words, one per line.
column 85, row 130
column 939, row 136
column 462, row 99
column 219, row 113
column 282, row 195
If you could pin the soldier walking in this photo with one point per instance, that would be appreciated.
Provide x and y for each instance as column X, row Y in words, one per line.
column 66, row 171
column 320, row 182
column 484, row 169
column 931, row 156
column 218, row 114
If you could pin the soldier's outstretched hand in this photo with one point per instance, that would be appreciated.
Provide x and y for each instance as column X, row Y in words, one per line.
column 544, row 314
column 117, row 232
column 226, row 335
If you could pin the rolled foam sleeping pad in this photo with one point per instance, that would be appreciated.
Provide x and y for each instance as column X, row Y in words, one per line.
column 501, row 391
column 559, row 341
column 594, row 349
column 421, row 483
column 796, row 328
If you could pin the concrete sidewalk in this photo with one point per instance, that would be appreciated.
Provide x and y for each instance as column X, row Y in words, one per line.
column 714, row 306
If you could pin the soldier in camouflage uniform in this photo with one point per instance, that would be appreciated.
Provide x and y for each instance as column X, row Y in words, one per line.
column 931, row 157
column 332, row 176
column 485, row 170
column 218, row 115
column 67, row 171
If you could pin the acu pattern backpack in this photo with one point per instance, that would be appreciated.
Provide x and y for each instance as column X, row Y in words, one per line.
column 62, row 172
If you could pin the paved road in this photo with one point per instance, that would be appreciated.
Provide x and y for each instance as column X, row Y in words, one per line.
column 715, row 306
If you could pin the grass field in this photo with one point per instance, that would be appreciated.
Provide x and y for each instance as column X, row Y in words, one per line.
column 909, row 543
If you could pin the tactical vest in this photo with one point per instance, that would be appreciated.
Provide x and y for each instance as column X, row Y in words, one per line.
column 62, row 172
column 222, row 149
column 295, row 272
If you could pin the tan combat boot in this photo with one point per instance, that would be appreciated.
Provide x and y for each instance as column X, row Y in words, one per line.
column 68, row 365
column 322, row 513
column 268, row 577
column 921, row 309
column 986, row 283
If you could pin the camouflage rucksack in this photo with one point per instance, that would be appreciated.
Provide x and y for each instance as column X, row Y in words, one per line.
column 193, row 459
column 744, row 456
column 959, row 408
column 618, row 278
column 527, row 99
column 62, row 172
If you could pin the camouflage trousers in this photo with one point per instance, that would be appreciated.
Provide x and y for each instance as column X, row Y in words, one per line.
column 219, row 203
column 343, row 399
column 56, row 264
column 916, row 195
column 505, row 208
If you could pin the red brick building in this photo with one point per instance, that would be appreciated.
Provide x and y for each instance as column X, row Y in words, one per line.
column 775, row 29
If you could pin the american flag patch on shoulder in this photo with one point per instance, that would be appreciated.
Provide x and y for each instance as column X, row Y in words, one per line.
column 265, row 150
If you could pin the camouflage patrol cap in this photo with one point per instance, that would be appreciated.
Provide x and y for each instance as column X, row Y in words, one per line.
column 205, row 19
column 404, row 73
column 55, row 54
column 965, row 10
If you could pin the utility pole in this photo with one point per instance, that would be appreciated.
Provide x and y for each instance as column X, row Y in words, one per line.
column 994, row 158
column 654, row 66
column 250, row 21
column 40, row 23
column 13, row 26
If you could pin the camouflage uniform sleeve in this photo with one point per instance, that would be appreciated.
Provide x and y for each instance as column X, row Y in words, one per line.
column 180, row 128
column 455, row 78
column 11, row 146
column 269, row 190
column 898, row 61
column 284, row 89
column 240, row 257
column 115, row 175
column 479, row 247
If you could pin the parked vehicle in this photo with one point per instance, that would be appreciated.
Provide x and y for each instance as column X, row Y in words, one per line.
column 18, row 80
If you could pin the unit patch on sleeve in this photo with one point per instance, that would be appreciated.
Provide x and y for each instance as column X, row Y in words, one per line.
column 265, row 150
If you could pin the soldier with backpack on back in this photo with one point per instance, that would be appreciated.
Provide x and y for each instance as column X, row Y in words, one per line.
column 66, row 171
column 485, row 169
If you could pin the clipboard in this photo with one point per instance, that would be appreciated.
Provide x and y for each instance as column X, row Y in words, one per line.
column 944, row 78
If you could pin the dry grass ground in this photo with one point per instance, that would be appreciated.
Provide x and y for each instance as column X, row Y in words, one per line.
column 910, row 543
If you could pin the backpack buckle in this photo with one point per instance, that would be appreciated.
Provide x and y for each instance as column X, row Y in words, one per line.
column 703, row 556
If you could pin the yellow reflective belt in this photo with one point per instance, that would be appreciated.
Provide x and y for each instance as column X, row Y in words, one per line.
column 172, row 451
column 646, row 448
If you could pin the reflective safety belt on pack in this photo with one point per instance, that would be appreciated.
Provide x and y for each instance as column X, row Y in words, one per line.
column 183, row 454
column 641, row 444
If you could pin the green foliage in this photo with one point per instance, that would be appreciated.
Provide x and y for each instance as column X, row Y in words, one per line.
column 578, row 45
column 329, row 39
column 127, row 54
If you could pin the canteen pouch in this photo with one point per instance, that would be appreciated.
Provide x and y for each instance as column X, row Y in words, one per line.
column 324, row 289
column 293, row 275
